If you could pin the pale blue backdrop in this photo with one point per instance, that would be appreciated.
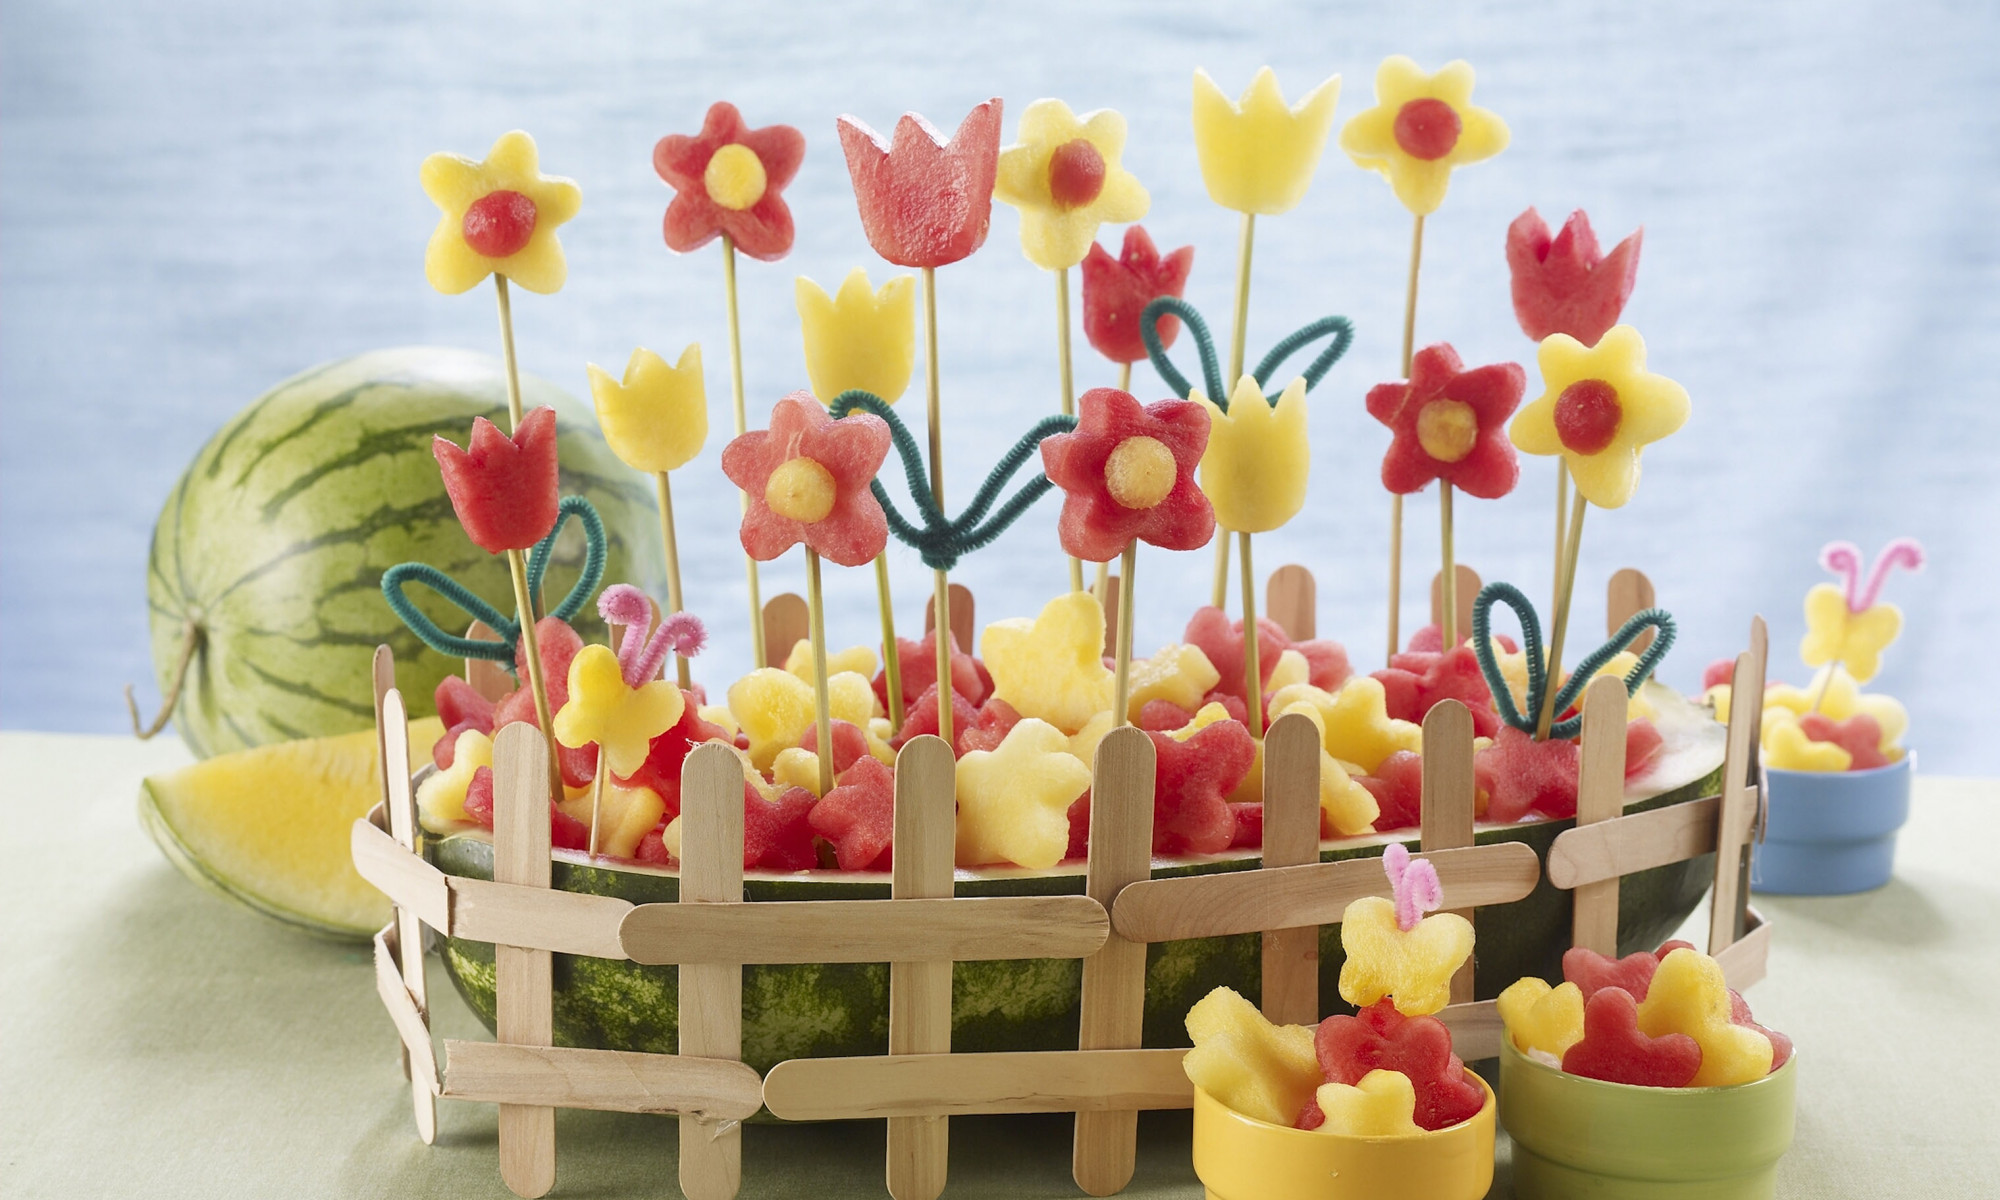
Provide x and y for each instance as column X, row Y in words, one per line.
column 199, row 199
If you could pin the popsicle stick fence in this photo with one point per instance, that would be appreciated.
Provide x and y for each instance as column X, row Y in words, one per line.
column 711, row 932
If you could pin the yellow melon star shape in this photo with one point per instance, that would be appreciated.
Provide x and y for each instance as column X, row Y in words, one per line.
column 656, row 418
column 796, row 766
column 1539, row 1017
column 1052, row 668
column 1255, row 1068
column 462, row 187
column 625, row 815
column 1853, row 639
column 1258, row 154
column 773, row 708
column 1013, row 800
column 858, row 659
column 1065, row 176
column 1839, row 698
column 1292, row 669
column 1421, row 127
column 1347, row 807
column 603, row 709
column 441, row 798
column 1254, row 470
column 861, row 337
column 1178, row 674
column 1382, row 1104
column 1689, row 995
column 1787, row 748
column 1413, row 968
column 1618, row 667
column 1599, row 408
column 1355, row 721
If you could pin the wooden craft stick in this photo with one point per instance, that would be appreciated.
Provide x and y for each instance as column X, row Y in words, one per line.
column 1291, row 837
column 1083, row 1081
column 1468, row 588
column 1635, row 842
column 407, row 880
column 523, row 1005
column 963, row 626
column 787, row 622
column 536, row 918
column 1600, row 796
column 920, row 991
column 487, row 677
column 1743, row 961
column 1104, row 1151
column 393, row 732
column 711, row 994
column 1291, row 599
column 1448, row 788
column 1628, row 594
column 1476, row 1029
column 412, row 1028
column 972, row 929
column 604, row 1080
column 1165, row 910
column 1741, row 792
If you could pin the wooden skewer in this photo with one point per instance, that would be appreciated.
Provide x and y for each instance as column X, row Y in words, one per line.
column 1291, row 837
column 711, row 994
column 1253, row 673
column 1564, row 590
column 1396, row 501
column 507, row 350
column 1068, row 388
column 892, row 658
column 941, row 582
column 517, row 566
column 1448, row 795
column 920, row 991
column 1448, row 578
column 1122, row 646
column 523, row 1005
column 1236, row 343
column 674, row 600
column 822, row 703
column 757, row 654
column 1600, row 796
column 1562, row 516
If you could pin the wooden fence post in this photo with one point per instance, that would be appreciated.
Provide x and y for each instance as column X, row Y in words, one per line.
column 1627, row 594
column 1291, row 599
column 786, row 624
column 920, row 992
column 711, row 994
column 1741, row 792
column 1291, row 837
column 1468, row 587
column 1448, row 788
column 962, row 626
column 1600, row 796
column 1104, row 1152
column 392, row 754
column 523, row 1004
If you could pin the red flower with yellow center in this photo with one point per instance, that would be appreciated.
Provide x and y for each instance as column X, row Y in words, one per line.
column 1128, row 473
column 729, row 179
column 807, row 480
column 1451, row 424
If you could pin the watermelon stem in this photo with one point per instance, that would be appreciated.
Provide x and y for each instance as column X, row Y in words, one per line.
column 193, row 634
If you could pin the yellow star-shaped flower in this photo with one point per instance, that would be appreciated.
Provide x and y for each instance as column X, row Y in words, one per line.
column 1256, row 1068
column 1179, row 674
column 1689, row 995
column 1787, row 748
column 1344, row 805
column 499, row 216
column 1065, row 177
column 1599, row 407
column 1853, row 639
column 1354, row 722
column 603, row 709
column 773, row 708
column 862, row 337
column 1838, row 697
column 1382, row 1104
column 1052, row 668
column 1539, row 1017
column 656, row 419
column 1258, row 155
column 441, row 798
column 1013, row 801
column 1413, row 968
column 1420, row 128
column 1254, row 470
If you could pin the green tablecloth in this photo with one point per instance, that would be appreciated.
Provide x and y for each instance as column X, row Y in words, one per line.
column 158, row 1041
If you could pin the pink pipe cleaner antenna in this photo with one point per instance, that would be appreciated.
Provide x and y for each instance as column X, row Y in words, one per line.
column 1906, row 553
column 640, row 656
column 1414, row 883
column 1844, row 560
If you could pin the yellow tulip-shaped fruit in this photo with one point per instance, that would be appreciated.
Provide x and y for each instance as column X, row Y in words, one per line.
column 860, row 338
column 1258, row 155
column 1254, row 470
column 1421, row 127
column 656, row 419
column 1065, row 177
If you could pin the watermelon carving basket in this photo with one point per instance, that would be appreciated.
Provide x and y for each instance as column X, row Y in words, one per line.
column 712, row 932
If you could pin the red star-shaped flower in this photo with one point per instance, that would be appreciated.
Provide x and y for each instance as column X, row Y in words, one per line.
column 1192, row 782
column 925, row 202
column 1117, row 290
column 729, row 179
column 1566, row 284
column 1128, row 472
column 807, row 480
column 1450, row 424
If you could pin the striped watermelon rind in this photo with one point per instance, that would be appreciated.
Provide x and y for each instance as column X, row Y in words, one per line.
column 275, row 539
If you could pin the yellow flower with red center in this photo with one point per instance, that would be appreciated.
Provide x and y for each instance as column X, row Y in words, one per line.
column 1257, row 154
column 1255, row 467
column 1420, row 128
column 500, row 216
column 861, row 338
column 1599, row 408
column 656, row 419
column 1065, row 177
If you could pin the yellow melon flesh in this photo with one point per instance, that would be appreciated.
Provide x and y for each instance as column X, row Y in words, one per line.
column 270, row 827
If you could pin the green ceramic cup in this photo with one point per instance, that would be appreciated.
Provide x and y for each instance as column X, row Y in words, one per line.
column 1577, row 1138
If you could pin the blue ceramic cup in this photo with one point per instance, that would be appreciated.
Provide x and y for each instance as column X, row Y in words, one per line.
column 1829, row 833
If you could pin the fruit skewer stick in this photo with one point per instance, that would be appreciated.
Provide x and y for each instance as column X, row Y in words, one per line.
column 1565, row 586
column 940, row 578
column 1253, row 670
column 1239, row 330
column 757, row 656
column 682, row 672
column 892, row 658
column 1122, row 673
column 1396, row 501
column 822, row 702
column 1068, row 395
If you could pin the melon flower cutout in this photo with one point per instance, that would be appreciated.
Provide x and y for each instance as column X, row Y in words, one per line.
column 1449, row 425
column 729, row 181
column 862, row 338
column 1065, row 177
column 619, row 701
column 1587, row 669
column 1851, row 625
column 656, row 421
column 1567, row 284
column 1599, row 409
column 925, row 202
column 1051, row 668
column 498, row 217
column 1254, row 470
column 1117, row 290
column 808, row 479
column 1394, row 950
column 1422, row 126
column 503, row 488
column 1013, row 800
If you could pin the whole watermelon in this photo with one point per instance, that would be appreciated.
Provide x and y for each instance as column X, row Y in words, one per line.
column 274, row 542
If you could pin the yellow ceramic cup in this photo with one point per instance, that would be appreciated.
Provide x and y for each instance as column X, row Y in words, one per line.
column 1242, row 1158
